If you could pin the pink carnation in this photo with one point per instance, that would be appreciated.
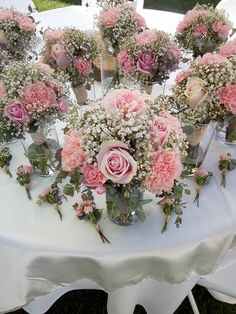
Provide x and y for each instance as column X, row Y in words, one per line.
column 110, row 17
column 190, row 17
column 227, row 97
column 146, row 37
column 38, row 95
column 73, row 155
column 211, row 58
column 84, row 207
column 53, row 36
column 62, row 105
column 166, row 168
column 93, row 177
column 229, row 49
column 26, row 23
column 124, row 100
column 181, row 76
column 221, row 29
column 174, row 124
column 200, row 29
column 6, row 14
column 139, row 20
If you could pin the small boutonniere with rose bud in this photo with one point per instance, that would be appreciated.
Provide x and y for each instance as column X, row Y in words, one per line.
column 172, row 202
column 226, row 163
column 87, row 209
column 5, row 158
column 51, row 195
column 24, row 173
column 201, row 177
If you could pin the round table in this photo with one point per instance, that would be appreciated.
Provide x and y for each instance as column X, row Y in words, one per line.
column 41, row 255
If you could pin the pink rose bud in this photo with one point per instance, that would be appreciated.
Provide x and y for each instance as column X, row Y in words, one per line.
column 45, row 192
column 25, row 169
column 17, row 112
column 160, row 130
column 201, row 173
column 224, row 157
column 26, row 23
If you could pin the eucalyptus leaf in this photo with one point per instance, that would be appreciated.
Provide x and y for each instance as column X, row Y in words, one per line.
column 188, row 129
column 141, row 215
column 68, row 190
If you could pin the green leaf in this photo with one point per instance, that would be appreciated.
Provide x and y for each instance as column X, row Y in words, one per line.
column 188, row 129
column 68, row 190
column 187, row 191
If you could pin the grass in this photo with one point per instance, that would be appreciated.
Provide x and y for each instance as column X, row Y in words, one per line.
column 93, row 301
column 180, row 6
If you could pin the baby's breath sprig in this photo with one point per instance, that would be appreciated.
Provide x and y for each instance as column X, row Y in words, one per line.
column 226, row 163
column 5, row 159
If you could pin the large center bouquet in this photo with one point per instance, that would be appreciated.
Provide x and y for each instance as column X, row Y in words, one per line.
column 203, row 29
column 118, row 23
column 17, row 33
column 149, row 56
column 71, row 52
column 123, row 145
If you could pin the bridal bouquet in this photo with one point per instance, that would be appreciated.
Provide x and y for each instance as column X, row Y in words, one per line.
column 203, row 29
column 118, row 23
column 205, row 92
column 71, row 52
column 17, row 33
column 122, row 145
column 149, row 56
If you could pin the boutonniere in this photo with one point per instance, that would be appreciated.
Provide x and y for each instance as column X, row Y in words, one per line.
column 87, row 209
column 52, row 196
column 23, row 176
column 226, row 163
column 5, row 158
column 202, row 177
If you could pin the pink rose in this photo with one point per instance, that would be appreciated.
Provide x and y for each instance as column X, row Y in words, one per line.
column 17, row 112
column 110, row 17
column 73, row 155
column 160, row 130
column 228, row 49
column 45, row 68
column 146, row 37
column 26, row 23
column 146, row 63
column 200, row 30
column 166, row 168
column 174, row 124
column 59, row 54
column 139, row 20
column 6, row 14
column 93, row 177
column 2, row 90
column 53, row 36
column 227, row 96
column 62, row 105
column 116, row 163
column 38, row 95
column 221, row 29
column 181, row 76
column 128, row 65
column 190, row 18
column 83, row 66
column 124, row 100
column 25, row 169
column 201, row 173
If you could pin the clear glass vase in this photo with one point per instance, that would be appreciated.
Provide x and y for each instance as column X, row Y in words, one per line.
column 226, row 132
column 123, row 206
column 199, row 141
column 154, row 89
column 42, row 150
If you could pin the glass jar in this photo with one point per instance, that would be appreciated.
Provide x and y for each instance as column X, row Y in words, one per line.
column 42, row 150
column 123, row 206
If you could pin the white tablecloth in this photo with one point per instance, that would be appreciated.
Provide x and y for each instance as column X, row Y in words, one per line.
column 39, row 253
